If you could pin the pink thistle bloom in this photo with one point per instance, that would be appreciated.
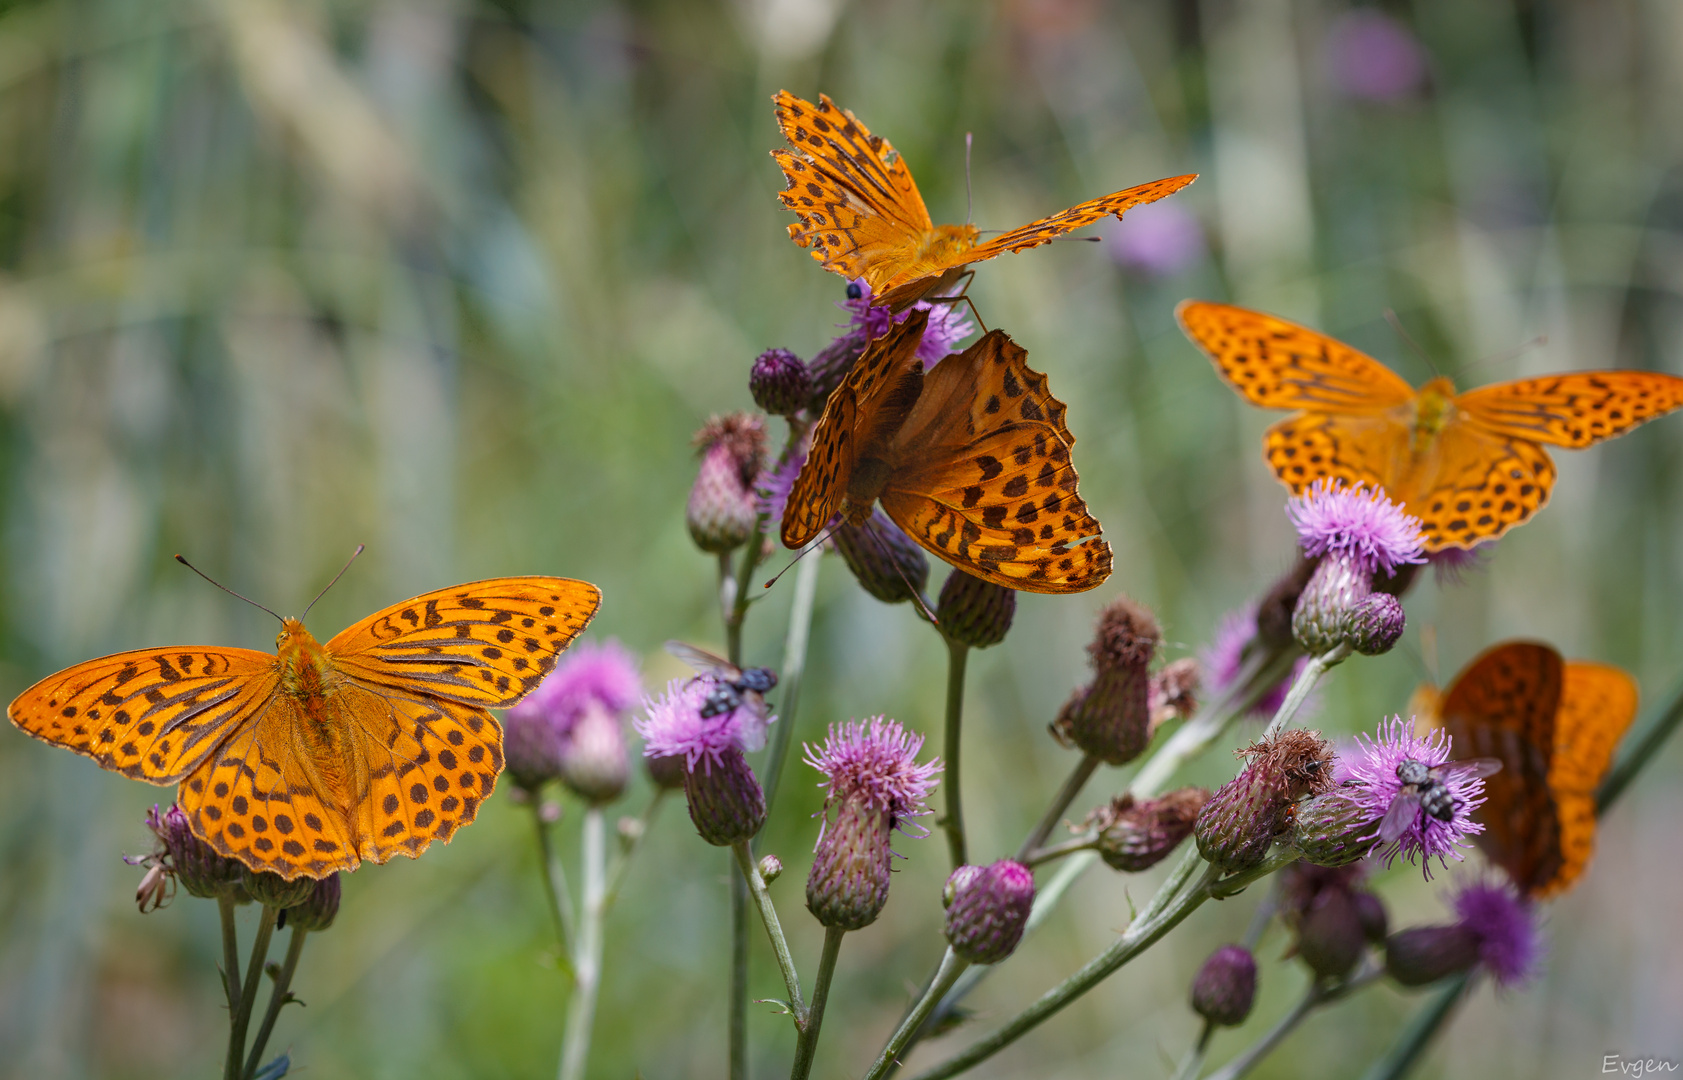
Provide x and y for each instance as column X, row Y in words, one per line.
column 605, row 674
column 1373, row 56
column 873, row 764
column 1505, row 925
column 1357, row 524
column 672, row 726
column 948, row 323
column 1374, row 785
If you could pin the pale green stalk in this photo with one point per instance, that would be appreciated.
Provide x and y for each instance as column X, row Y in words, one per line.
column 774, row 929
column 806, row 1043
column 952, row 966
column 277, row 999
column 587, row 959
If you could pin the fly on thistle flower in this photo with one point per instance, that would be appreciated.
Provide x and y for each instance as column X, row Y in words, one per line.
column 1415, row 802
column 725, row 800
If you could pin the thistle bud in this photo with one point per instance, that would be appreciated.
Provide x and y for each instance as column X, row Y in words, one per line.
column 531, row 748
column 1356, row 533
column 1242, row 820
column 1371, row 911
column 831, row 365
column 1333, row 829
column 181, row 856
column 987, row 909
column 723, row 510
column 1225, row 987
column 271, row 890
column 1376, row 624
column 1274, row 611
column 1329, row 935
column 1135, row 836
column 1320, row 621
column 975, row 612
column 874, row 784
column 780, row 383
column 1111, row 718
column 1424, row 954
column 593, row 760
column 1174, row 691
column 887, row 563
column 318, row 912
column 726, row 802
column 771, row 868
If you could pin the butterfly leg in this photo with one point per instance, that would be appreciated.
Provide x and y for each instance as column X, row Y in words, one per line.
column 963, row 294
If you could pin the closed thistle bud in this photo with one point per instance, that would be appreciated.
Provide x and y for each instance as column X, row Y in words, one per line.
column 1245, row 816
column 1135, row 836
column 726, row 802
column 1335, row 589
column 827, row 370
column 723, row 510
column 318, row 912
column 1333, row 829
column 271, row 890
column 987, row 909
column 780, row 383
column 887, row 563
column 874, row 785
column 1329, row 935
column 531, row 748
column 594, row 762
column 974, row 612
column 1225, row 987
column 771, row 868
column 1111, row 718
column 190, row 861
column 1376, row 624
column 1424, row 954
column 1371, row 911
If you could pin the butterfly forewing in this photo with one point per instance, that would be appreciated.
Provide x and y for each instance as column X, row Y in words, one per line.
column 1597, row 704
column 485, row 643
column 1079, row 216
column 151, row 714
column 1573, row 410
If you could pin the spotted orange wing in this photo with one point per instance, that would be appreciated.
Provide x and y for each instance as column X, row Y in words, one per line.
column 1504, row 705
column 1597, row 704
column 859, row 415
column 983, row 478
column 150, row 714
column 1078, row 216
column 1573, row 410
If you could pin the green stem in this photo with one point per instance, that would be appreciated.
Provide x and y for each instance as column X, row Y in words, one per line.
column 794, row 667
column 554, row 876
column 774, row 930
column 1193, row 1063
column 1055, row 812
column 230, row 954
column 953, row 822
column 1044, row 855
column 1412, row 1043
column 277, row 999
column 587, row 961
column 947, row 974
column 241, row 1019
column 1303, row 684
column 1640, row 748
column 1318, row 994
column 806, row 1044
column 738, row 978
column 734, row 595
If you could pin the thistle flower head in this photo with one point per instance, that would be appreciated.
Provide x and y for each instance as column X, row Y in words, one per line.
column 874, row 763
column 672, row 726
column 721, row 512
column 987, row 909
column 973, row 611
column 1225, row 986
column 1137, row 835
column 180, row 856
column 1505, row 924
column 780, row 382
column 1356, row 523
column 1240, row 823
column 542, row 736
column 886, row 562
column 317, row 912
column 1374, row 784
column 1110, row 718
column 948, row 323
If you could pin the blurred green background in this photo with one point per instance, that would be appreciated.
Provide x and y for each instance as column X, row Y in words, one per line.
column 460, row 279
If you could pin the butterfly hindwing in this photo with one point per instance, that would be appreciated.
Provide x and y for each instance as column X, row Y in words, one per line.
column 1573, row 410
column 150, row 714
column 485, row 643
column 1471, row 485
column 1597, row 704
column 984, row 477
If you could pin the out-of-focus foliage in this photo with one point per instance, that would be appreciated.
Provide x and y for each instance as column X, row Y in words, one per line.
column 460, row 279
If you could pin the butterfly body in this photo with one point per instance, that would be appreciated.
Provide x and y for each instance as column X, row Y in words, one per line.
column 320, row 755
column 1470, row 465
column 861, row 214
column 972, row 460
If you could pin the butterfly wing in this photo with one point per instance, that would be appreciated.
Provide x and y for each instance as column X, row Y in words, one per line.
column 151, row 714
column 1573, row 410
column 1078, row 216
column 860, row 415
column 1597, row 704
column 860, row 211
column 1276, row 364
column 486, row 643
column 984, row 480
column 1504, row 706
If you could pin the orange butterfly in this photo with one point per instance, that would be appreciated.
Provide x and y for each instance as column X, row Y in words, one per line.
column 1554, row 725
column 862, row 216
column 304, row 763
column 1470, row 466
column 971, row 460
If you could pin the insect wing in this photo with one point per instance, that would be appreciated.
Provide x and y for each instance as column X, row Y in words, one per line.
column 705, row 662
column 1402, row 813
column 1479, row 767
column 754, row 718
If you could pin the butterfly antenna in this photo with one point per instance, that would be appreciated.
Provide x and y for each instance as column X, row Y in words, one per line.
column 801, row 554
column 1503, row 357
column 1408, row 339
column 869, row 529
column 969, row 205
column 335, row 580
column 183, row 561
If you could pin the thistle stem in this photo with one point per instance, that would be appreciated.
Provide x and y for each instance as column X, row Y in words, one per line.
column 1031, row 846
column 277, row 999
column 1044, row 855
column 774, row 930
column 738, row 978
column 794, row 667
column 1318, row 994
column 554, row 876
column 953, row 822
column 1405, row 1053
column 806, row 1043
column 1193, row 1063
column 952, row 966
column 241, row 1020
column 230, row 954
column 1305, row 682
column 587, row 961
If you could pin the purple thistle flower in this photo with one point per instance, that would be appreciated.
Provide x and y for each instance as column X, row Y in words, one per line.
column 874, row 763
column 1160, row 239
column 1224, row 658
column 1505, row 925
column 1374, row 785
column 1371, row 55
column 948, row 323
column 604, row 674
column 1358, row 524
column 672, row 726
